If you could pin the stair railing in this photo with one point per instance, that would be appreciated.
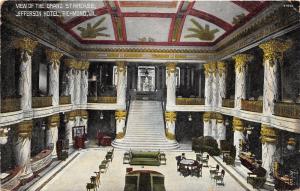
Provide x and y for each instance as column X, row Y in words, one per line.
column 128, row 102
column 163, row 106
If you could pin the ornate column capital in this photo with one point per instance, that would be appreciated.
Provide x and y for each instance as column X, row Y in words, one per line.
column 241, row 60
column 268, row 134
column 237, row 124
column 221, row 67
column 170, row 116
column 26, row 44
column 171, row 67
column 71, row 63
column 84, row 114
column 210, row 68
column 71, row 115
column 24, row 129
column 121, row 67
column 219, row 117
column 207, row 116
column 53, row 121
column 275, row 48
column 85, row 65
column 120, row 115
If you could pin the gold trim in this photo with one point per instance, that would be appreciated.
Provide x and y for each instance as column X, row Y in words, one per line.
column 120, row 115
column 53, row 120
column 26, row 44
column 170, row 136
column 241, row 60
column 24, row 129
column 171, row 67
column 268, row 134
column 53, row 55
column 120, row 135
column 291, row 141
column 221, row 68
column 71, row 63
column 71, row 115
column 237, row 124
column 207, row 116
column 170, row 116
column 274, row 49
column 219, row 118
column 121, row 67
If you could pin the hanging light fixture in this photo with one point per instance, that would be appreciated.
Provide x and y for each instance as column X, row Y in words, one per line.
column 101, row 115
column 291, row 144
column 190, row 117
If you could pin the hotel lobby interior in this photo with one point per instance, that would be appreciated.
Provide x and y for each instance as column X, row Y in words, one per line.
column 150, row 95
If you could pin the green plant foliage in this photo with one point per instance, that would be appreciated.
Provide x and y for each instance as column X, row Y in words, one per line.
column 200, row 32
column 93, row 31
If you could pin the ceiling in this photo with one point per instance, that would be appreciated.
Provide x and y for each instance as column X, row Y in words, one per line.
column 182, row 23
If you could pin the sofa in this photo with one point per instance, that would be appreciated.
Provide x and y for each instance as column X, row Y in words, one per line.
column 149, row 158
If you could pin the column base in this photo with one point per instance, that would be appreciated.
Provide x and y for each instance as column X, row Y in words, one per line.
column 269, row 184
column 237, row 162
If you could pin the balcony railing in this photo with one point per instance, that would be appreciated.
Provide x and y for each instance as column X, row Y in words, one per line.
column 106, row 99
column 190, row 101
column 38, row 102
column 10, row 105
column 64, row 100
column 290, row 110
column 228, row 103
column 252, row 105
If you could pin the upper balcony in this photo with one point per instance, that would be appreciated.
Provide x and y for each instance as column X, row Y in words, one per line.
column 102, row 99
column 289, row 110
column 64, row 100
column 190, row 101
column 42, row 101
column 10, row 104
column 252, row 105
column 228, row 103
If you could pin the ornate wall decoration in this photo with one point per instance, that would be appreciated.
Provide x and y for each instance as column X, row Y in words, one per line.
column 170, row 116
column 200, row 32
column 274, row 49
column 120, row 115
column 93, row 31
column 268, row 134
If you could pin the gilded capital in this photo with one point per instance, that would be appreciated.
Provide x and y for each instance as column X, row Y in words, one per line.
column 53, row 121
column 170, row 135
column 24, row 129
column 207, row 116
column 84, row 114
column 274, row 49
column 241, row 60
column 71, row 115
column 54, row 57
column 85, row 65
column 170, row 116
column 71, row 63
column 171, row 67
column 238, row 124
column 120, row 115
column 26, row 44
column 121, row 67
column 221, row 67
column 219, row 117
column 120, row 135
column 268, row 134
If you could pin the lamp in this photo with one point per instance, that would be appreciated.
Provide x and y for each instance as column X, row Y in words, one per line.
column 4, row 135
column 101, row 115
column 190, row 117
column 291, row 144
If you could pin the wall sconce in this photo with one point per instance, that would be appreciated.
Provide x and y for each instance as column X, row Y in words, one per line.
column 190, row 117
column 291, row 144
column 101, row 116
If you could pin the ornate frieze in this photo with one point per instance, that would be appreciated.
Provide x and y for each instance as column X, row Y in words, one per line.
column 26, row 44
column 120, row 115
column 241, row 60
column 170, row 116
column 54, row 57
column 275, row 48
column 237, row 124
column 24, row 129
column 171, row 68
column 268, row 134
column 53, row 121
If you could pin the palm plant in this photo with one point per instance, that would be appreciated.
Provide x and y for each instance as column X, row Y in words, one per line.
column 200, row 32
column 93, row 31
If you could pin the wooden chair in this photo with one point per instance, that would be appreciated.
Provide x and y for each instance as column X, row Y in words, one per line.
column 205, row 161
column 126, row 158
column 162, row 158
column 214, row 170
column 197, row 171
column 91, row 186
column 96, row 179
column 220, row 177
column 103, row 166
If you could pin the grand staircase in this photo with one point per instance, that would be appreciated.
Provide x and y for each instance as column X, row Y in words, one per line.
column 145, row 128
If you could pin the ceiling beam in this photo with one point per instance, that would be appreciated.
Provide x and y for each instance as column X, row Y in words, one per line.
column 248, row 5
column 211, row 18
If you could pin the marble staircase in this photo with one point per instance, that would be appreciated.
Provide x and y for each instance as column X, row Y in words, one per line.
column 145, row 128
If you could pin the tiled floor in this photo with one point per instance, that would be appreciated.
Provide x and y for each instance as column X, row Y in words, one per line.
column 75, row 176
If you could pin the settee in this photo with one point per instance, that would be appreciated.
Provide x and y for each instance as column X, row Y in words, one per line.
column 148, row 158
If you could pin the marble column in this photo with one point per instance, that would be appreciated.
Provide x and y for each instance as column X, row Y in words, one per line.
column 171, row 84
column 77, row 86
column 52, row 132
column 26, row 47
column 238, row 137
column 222, row 83
column 69, row 127
column 84, row 120
column 215, row 84
column 84, row 82
column 208, row 84
column 214, row 129
column 71, row 78
column 54, row 61
column 221, row 128
column 268, row 140
column 207, row 131
column 240, row 78
column 170, row 117
column 22, row 148
column 120, row 116
column 273, row 52
column 121, row 85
